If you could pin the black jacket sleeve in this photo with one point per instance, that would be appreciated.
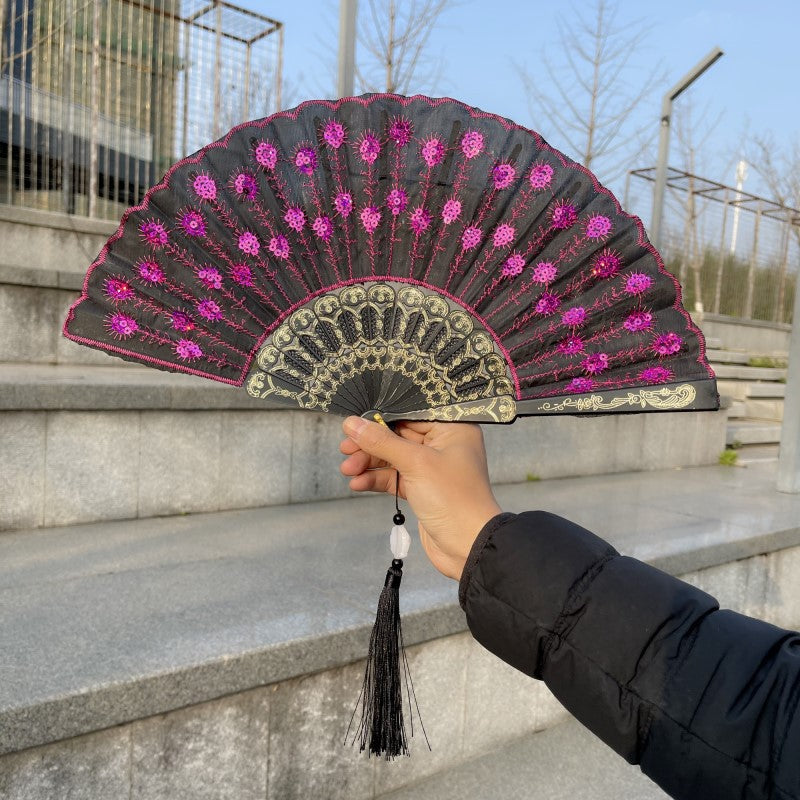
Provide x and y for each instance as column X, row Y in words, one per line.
column 704, row 700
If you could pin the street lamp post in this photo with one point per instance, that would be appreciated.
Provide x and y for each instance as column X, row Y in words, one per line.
column 789, row 456
column 347, row 47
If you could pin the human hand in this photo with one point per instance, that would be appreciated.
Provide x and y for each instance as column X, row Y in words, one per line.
column 443, row 475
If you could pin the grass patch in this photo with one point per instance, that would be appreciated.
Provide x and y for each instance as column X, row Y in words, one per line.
column 531, row 477
column 728, row 458
column 766, row 361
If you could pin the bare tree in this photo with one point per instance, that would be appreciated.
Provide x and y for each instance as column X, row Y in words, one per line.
column 587, row 100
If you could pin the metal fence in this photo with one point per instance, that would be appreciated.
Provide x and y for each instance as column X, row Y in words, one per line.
column 99, row 97
column 735, row 253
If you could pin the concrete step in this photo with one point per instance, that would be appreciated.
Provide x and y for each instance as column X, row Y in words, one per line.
column 757, row 454
column 727, row 357
column 737, row 409
column 766, row 390
column 713, row 343
column 742, row 389
column 747, row 431
column 741, row 373
column 764, row 409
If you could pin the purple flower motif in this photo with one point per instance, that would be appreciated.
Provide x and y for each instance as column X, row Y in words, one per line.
column 571, row 345
column 400, row 131
column 541, row 176
column 121, row 326
column 598, row 227
column 334, row 134
column 574, row 316
column 638, row 321
column 656, row 375
column 544, row 272
column 192, row 223
column 323, row 227
column 637, row 283
column 118, row 290
column 343, row 203
column 369, row 148
column 245, row 185
column 248, row 243
column 266, row 154
column 547, row 304
column 295, row 218
column 187, row 350
column 279, row 246
column 472, row 144
column 210, row 278
column 153, row 233
column 503, row 176
column 580, row 385
column 563, row 215
column 514, row 265
column 420, row 219
column 305, row 160
column 370, row 218
column 470, row 238
column 595, row 363
column 504, row 234
column 432, row 151
column 667, row 344
column 606, row 263
column 150, row 272
column 397, row 200
column 451, row 211
column 204, row 187
column 242, row 274
column 209, row 310
column 181, row 321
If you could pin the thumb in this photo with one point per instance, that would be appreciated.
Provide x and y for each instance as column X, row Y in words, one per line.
column 381, row 442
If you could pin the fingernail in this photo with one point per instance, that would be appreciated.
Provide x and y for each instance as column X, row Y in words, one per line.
column 354, row 425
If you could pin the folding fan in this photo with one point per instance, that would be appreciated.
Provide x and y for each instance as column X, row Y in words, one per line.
column 402, row 257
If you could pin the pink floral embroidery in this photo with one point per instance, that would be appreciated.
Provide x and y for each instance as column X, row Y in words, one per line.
column 420, row 220
column 204, row 187
column 451, row 211
column 638, row 321
column 118, row 290
column 598, row 227
column 153, row 233
column 656, row 375
column 563, row 215
column 574, row 316
column 637, row 283
column 248, row 243
column 334, row 134
column 545, row 272
column 187, row 350
column 192, row 223
column 470, row 238
column 266, row 154
column 503, row 235
column 541, row 176
column 279, row 246
column 210, row 278
column 343, row 203
column 667, row 344
column 305, row 160
column 370, row 218
column 121, row 326
column 514, row 265
column 245, row 185
column 242, row 274
column 503, row 176
column 323, row 227
column 547, row 304
column 432, row 151
column 369, row 147
column 295, row 218
column 400, row 131
column 397, row 200
column 580, row 385
column 472, row 143
column 571, row 345
column 606, row 263
column 150, row 272
column 181, row 321
column 594, row 363
column 209, row 310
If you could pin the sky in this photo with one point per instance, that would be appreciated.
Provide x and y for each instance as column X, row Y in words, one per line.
column 478, row 45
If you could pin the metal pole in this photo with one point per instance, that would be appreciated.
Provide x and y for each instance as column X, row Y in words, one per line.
column 741, row 176
column 67, row 123
column 751, row 269
column 663, row 140
column 789, row 458
column 95, row 101
column 217, row 69
column 246, row 93
column 279, row 76
column 347, row 47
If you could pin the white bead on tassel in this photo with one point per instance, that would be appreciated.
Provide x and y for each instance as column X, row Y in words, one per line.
column 399, row 541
